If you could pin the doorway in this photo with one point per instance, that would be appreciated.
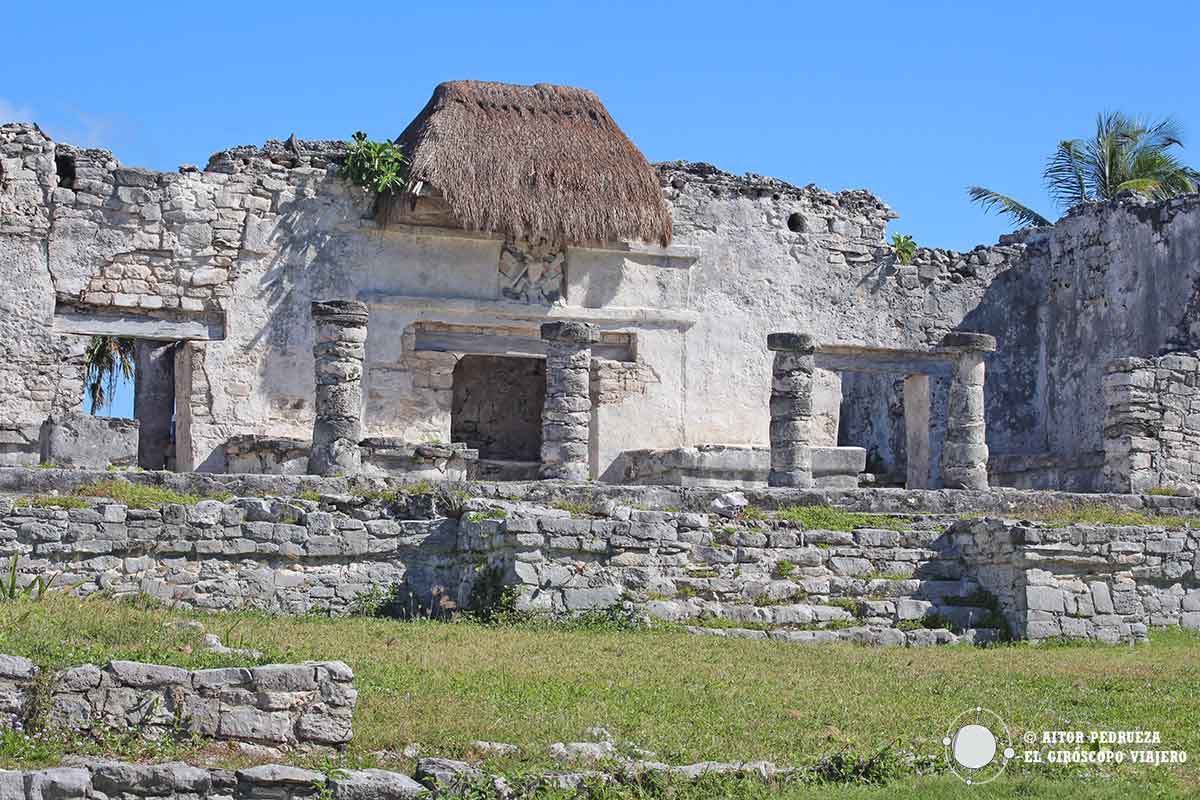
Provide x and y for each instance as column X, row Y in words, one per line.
column 497, row 406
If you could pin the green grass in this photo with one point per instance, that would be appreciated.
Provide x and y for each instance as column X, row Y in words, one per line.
column 688, row 698
column 52, row 501
column 1067, row 514
column 1163, row 491
column 828, row 518
column 574, row 509
column 491, row 513
column 392, row 495
column 140, row 496
column 119, row 491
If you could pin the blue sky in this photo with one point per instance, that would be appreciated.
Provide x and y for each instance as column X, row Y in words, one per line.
column 911, row 100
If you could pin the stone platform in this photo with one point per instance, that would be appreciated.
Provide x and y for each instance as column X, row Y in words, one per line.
column 933, row 567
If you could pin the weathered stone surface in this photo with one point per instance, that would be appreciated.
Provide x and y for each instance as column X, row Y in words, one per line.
column 280, row 704
column 82, row 440
column 374, row 784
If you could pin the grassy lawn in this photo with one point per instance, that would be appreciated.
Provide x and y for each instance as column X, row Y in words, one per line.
column 687, row 698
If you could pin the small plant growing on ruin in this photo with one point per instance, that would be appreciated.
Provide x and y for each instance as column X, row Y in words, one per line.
column 419, row 487
column 373, row 602
column 847, row 604
column 491, row 513
column 934, row 620
column 904, row 247
column 828, row 518
column 784, row 568
column 52, row 501
column 138, row 496
column 887, row 576
column 753, row 514
column 379, row 167
column 575, row 509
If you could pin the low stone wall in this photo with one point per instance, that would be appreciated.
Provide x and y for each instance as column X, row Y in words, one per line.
column 1152, row 423
column 781, row 581
column 277, row 704
column 1086, row 582
column 919, row 576
column 271, row 554
column 178, row 781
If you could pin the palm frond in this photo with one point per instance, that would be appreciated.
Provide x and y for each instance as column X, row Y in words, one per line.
column 106, row 358
column 1065, row 174
column 1019, row 213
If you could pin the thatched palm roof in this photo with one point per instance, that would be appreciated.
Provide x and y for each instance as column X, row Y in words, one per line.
column 534, row 161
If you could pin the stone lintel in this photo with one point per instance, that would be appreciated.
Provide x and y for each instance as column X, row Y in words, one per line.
column 966, row 340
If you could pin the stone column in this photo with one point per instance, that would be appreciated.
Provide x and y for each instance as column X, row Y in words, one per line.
column 338, row 349
column 791, row 409
column 154, row 401
column 567, row 412
column 965, row 454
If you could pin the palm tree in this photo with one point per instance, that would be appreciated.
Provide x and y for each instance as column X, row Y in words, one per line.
column 1125, row 154
column 105, row 358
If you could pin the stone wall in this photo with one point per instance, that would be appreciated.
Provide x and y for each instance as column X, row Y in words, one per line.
column 1152, row 423
column 1086, row 582
column 179, row 781
column 272, row 554
column 921, row 576
column 277, row 704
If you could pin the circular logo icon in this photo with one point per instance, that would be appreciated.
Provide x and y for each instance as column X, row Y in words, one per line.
column 977, row 746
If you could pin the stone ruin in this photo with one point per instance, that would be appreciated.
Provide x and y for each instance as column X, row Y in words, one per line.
column 695, row 331
column 213, row 272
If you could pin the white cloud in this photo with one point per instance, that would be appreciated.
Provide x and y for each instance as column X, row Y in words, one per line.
column 10, row 112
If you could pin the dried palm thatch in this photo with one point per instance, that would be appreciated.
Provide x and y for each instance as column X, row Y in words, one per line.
column 534, row 162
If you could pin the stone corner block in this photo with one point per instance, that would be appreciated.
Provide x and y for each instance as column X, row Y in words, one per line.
column 791, row 343
column 570, row 331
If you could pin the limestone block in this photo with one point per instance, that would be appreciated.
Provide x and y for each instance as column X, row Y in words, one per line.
column 83, row 441
column 374, row 784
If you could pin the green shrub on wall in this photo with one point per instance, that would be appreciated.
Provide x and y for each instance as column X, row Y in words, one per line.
column 905, row 247
column 376, row 166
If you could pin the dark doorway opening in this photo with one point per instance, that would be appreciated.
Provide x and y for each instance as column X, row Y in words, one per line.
column 497, row 406
column 154, row 403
